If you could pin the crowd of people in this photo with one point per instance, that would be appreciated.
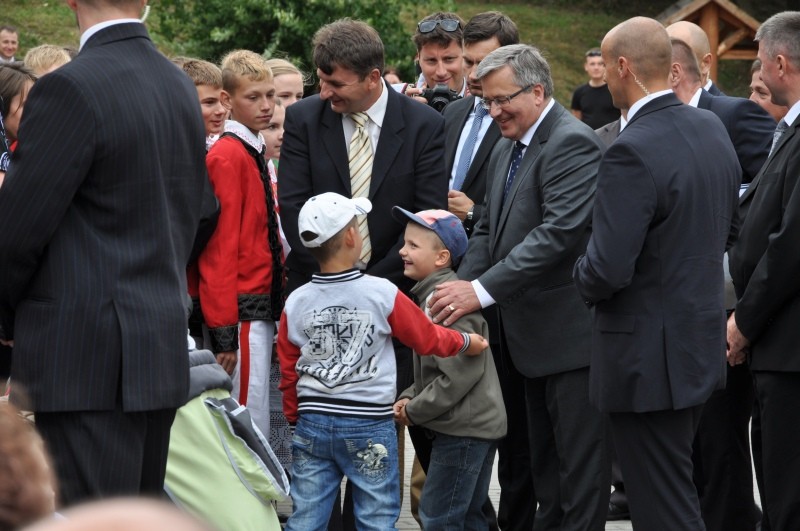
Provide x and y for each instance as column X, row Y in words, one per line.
column 603, row 301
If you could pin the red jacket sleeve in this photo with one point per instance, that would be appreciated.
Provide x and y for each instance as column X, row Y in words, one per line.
column 411, row 326
column 288, row 354
column 218, row 264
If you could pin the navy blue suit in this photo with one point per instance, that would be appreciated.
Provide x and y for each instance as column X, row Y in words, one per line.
column 653, row 271
column 98, row 216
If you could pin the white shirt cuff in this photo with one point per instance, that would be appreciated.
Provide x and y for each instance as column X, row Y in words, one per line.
column 483, row 296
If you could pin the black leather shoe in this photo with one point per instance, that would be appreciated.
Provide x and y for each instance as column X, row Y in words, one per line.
column 615, row 512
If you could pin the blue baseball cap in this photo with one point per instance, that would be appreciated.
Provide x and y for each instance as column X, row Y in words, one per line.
column 446, row 225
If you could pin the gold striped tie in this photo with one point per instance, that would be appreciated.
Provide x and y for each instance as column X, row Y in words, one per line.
column 361, row 174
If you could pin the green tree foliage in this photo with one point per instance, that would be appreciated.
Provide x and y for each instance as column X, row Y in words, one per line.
column 210, row 28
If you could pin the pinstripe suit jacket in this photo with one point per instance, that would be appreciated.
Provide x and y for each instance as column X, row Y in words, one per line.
column 97, row 219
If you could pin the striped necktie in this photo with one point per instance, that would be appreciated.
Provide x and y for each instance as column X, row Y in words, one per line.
column 465, row 159
column 776, row 136
column 516, row 158
column 360, row 157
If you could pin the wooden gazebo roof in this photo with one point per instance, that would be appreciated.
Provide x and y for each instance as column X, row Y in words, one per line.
column 730, row 29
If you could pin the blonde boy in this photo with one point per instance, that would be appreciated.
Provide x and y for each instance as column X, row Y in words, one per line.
column 241, row 269
column 338, row 371
column 455, row 407
column 207, row 78
column 46, row 58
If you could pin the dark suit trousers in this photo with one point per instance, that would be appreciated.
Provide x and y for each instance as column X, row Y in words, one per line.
column 569, row 456
column 779, row 402
column 655, row 453
column 100, row 454
column 517, row 507
column 723, row 472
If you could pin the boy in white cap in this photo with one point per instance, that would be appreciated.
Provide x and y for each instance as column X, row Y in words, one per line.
column 455, row 407
column 338, row 371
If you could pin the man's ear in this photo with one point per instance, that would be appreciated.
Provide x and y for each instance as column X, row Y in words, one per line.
column 675, row 74
column 705, row 65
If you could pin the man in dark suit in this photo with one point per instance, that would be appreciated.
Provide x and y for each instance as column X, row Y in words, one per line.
column 468, row 143
column 696, row 38
column 666, row 193
column 764, row 265
column 723, row 471
column 407, row 141
column 520, row 256
column 407, row 146
column 99, row 212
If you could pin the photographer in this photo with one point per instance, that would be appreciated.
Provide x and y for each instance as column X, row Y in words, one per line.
column 439, row 53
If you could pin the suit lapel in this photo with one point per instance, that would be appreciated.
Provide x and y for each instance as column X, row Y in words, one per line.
column 453, row 134
column 333, row 140
column 525, row 170
column 788, row 134
column 484, row 150
column 389, row 142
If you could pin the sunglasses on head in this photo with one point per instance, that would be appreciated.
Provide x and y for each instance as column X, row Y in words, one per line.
column 593, row 53
column 447, row 24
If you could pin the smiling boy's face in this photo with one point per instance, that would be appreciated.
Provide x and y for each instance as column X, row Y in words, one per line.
column 422, row 252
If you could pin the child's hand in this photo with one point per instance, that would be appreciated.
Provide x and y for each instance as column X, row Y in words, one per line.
column 477, row 344
column 399, row 409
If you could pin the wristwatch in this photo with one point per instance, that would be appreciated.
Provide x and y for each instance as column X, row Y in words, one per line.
column 470, row 213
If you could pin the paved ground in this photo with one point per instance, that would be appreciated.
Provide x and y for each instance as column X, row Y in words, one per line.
column 407, row 522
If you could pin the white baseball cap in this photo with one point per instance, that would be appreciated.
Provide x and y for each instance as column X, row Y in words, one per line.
column 326, row 214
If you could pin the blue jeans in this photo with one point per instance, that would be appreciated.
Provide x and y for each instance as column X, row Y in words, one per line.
column 324, row 449
column 457, row 484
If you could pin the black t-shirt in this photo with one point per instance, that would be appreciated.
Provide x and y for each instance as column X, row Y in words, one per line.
column 595, row 104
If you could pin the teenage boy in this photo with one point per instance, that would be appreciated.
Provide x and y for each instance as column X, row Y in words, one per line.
column 457, row 400
column 241, row 271
column 591, row 102
column 338, row 370
column 207, row 79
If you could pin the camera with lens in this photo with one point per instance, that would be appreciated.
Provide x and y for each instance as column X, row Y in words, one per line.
column 439, row 96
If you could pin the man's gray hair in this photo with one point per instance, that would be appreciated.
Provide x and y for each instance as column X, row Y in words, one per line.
column 780, row 34
column 526, row 62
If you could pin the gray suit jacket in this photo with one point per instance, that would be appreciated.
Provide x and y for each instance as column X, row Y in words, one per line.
column 522, row 252
column 98, row 216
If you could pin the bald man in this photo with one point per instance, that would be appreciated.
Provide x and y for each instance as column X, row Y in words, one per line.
column 696, row 38
column 666, row 193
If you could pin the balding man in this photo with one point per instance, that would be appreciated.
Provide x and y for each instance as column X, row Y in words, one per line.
column 764, row 266
column 696, row 38
column 666, row 193
column 723, row 472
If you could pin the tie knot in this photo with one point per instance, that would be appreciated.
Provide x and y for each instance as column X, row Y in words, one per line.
column 519, row 146
column 480, row 111
column 360, row 118
column 782, row 126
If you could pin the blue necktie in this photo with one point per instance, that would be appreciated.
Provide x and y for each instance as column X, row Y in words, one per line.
column 465, row 159
column 516, row 158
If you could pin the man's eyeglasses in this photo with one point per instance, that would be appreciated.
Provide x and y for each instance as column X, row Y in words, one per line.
column 502, row 101
column 447, row 24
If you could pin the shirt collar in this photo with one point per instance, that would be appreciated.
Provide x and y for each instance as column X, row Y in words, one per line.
column 696, row 97
column 708, row 84
column 644, row 101
column 256, row 141
column 377, row 112
column 528, row 136
column 103, row 25
column 793, row 113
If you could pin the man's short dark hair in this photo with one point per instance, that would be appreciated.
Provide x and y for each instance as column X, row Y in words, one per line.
column 484, row 26
column 10, row 29
column 349, row 44
column 439, row 35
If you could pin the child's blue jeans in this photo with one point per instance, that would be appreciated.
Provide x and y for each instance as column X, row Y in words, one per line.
column 324, row 449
